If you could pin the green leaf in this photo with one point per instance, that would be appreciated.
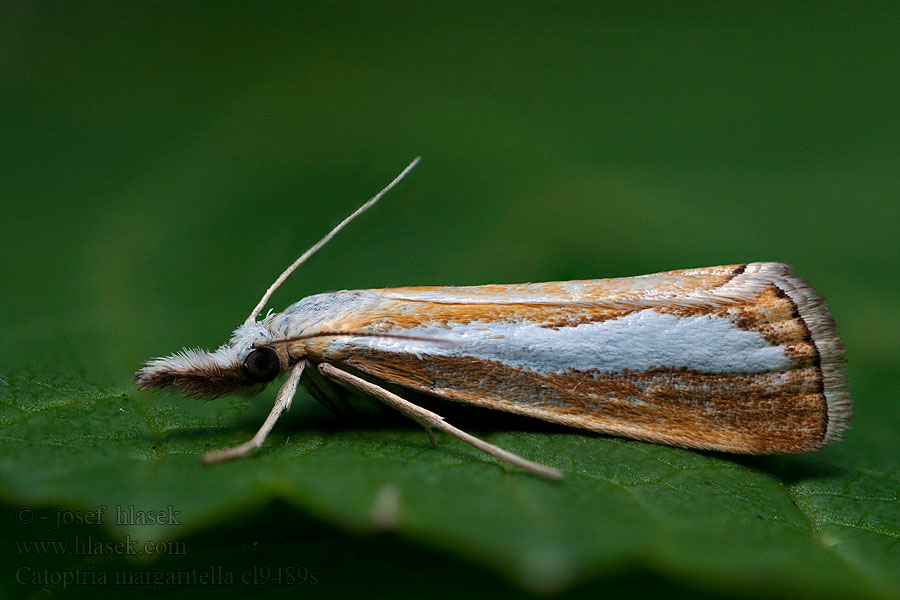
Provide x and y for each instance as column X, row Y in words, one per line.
column 167, row 164
column 817, row 523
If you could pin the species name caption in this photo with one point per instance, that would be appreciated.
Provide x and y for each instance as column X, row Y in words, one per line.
column 741, row 358
column 210, row 576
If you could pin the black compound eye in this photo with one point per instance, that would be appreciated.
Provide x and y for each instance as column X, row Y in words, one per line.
column 262, row 365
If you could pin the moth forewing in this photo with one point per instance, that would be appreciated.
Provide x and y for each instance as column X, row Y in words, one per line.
column 739, row 358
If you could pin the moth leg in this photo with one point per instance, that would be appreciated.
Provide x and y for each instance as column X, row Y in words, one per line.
column 430, row 420
column 282, row 403
column 343, row 389
column 326, row 393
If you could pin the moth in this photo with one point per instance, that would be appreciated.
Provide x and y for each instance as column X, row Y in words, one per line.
column 738, row 358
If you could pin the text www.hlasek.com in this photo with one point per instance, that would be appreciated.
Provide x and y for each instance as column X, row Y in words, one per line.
column 89, row 546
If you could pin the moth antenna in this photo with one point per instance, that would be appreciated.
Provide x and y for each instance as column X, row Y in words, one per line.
column 318, row 245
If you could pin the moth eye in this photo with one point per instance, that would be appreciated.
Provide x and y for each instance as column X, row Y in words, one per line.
column 261, row 365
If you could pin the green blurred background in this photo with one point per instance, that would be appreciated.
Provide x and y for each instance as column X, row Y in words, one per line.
column 163, row 161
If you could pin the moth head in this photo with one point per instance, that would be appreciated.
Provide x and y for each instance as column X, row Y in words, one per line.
column 244, row 365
